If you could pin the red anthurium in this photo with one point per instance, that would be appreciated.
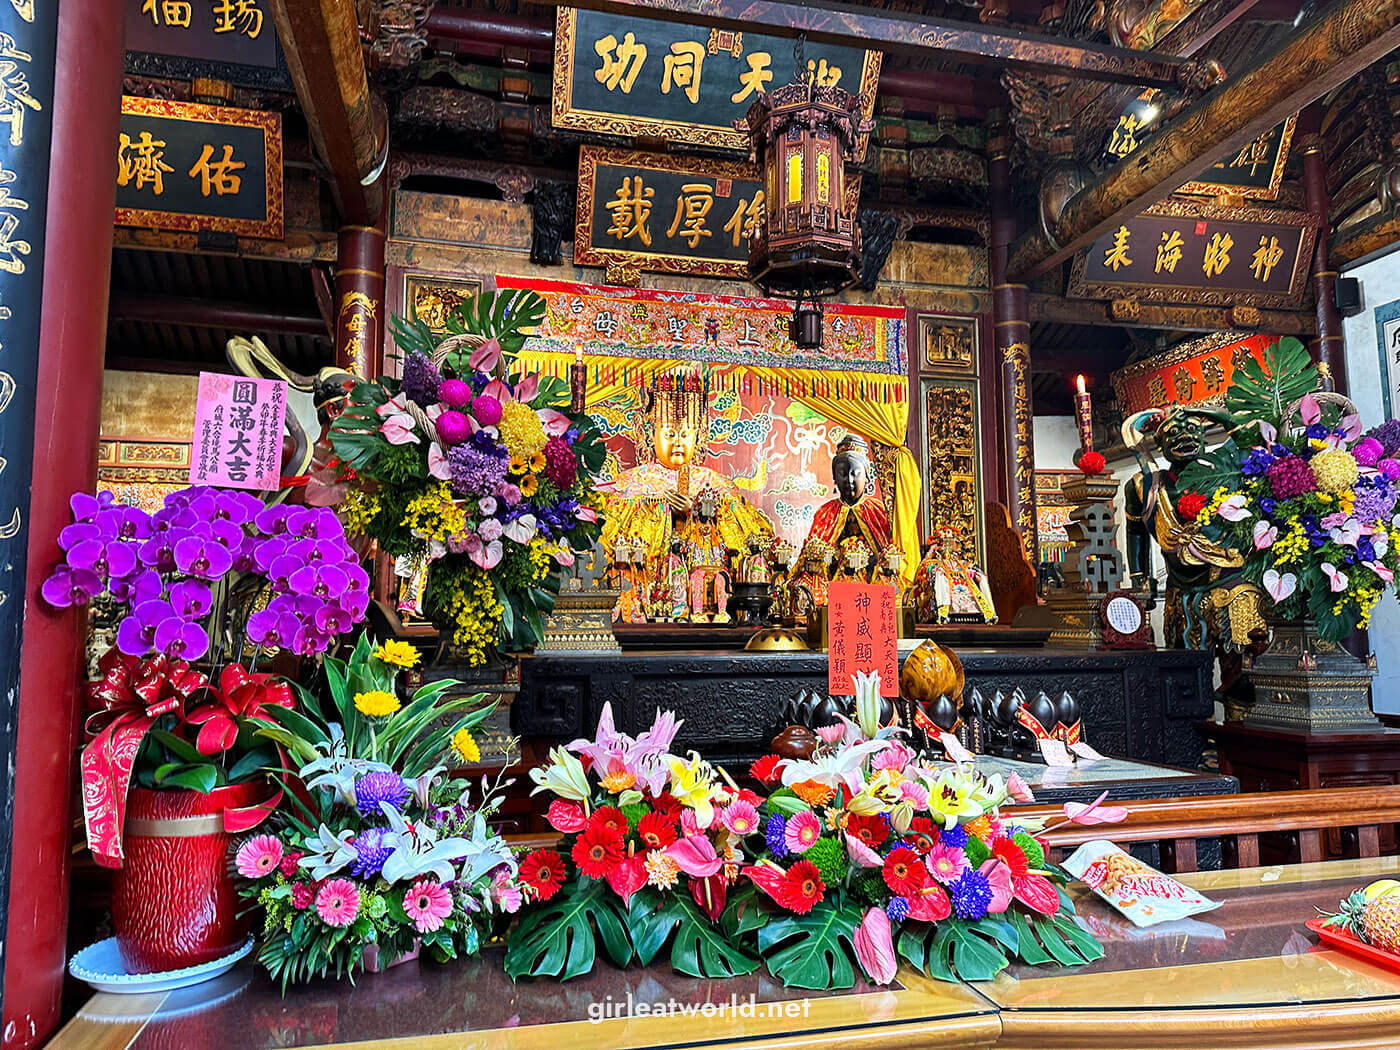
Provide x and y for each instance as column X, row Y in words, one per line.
column 710, row 894
column 565, row 817
column 766, row 876
column 1037, row 893
column 628, row 876
column 240, row 695
column 930, row 904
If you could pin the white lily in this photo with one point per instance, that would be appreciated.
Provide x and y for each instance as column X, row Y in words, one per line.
column 336, row 769
column 833, row 769
column 486, row 852
column 563, row 775
column 328, row 852
column 416, row 851
column 867, row 702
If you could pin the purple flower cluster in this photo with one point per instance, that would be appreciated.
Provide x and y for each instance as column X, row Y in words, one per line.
column 1290, row 477
column 970, row 894
column 421, row 379
column 1375, row 501
column 561, row 466
column 476, row 472
column 164, row 567
column 370, row 853
column 1388, row 434
column 1257, row 461
column 379, row 786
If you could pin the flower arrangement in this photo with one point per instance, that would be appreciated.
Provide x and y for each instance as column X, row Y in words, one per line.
column 476, row 478
column 376, row 849
column 209, row 580
column 859, row 852
column 1307, row 500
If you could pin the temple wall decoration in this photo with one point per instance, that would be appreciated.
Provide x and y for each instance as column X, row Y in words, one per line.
column 143, row 450
column 952, row 474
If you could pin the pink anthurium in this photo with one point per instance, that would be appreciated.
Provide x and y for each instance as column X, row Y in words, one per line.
column 586, row 514
column 1380, row 570
column 527, row 389
column 1265, row 535
column 875, row 948
column 486, row 356
column 999, row 879
column 437, row 463
column 1234, row 509
column 1095, row 812
column 483, row 555
column 1335, row 576
column 695, row 855
column 555, row 422
column 862, row 854
column 565, row 817
column 1309, row 410
column 1279, row 586
column 1348, row 534
column 930, row 904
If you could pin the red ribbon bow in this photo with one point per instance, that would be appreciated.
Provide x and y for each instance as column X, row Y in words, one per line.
column 1025, row 718
column 133, row 693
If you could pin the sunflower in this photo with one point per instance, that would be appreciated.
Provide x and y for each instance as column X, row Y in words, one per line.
column 529, row 485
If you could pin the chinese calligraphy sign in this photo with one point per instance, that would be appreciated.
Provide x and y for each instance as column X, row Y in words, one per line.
column 185, row 166
column 1201, row 253
column 233, row 40
column 1195, row 372
column 1254, row 171
column 667, row 213
column 861, row 637
column 238, row 432
column 623, row 75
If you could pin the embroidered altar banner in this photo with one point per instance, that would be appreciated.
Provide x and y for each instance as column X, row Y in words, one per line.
column 1196, row 372
column 716, row 329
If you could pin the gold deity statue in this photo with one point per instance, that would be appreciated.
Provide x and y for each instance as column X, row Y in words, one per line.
column 948, row 587
column 659, row 501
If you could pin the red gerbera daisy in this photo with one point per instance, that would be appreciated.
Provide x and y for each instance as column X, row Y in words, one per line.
column 656, row 831
column 763, row 770
column 921, row 835
column 904, row 872
column 1014, row 857
column 542, row 871
column 745, row 795
column 609, row 817
column 666, row 805
column 598, row 850
column 870, row 830
column 801, row 888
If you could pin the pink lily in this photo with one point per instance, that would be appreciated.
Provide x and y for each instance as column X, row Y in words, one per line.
column 875, row 948
column 695, row 855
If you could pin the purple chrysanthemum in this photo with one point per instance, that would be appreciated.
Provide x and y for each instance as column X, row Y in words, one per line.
column 1388, row 434
column 474, row 472
column 956, row 836
column 370, row 853
column 970, row 894
column 897, row 909
column 1290, row 477
column 379, row 786
column 775, row 832
column 421, row 379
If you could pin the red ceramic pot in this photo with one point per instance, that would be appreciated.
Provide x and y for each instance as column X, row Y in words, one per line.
column 173, row 899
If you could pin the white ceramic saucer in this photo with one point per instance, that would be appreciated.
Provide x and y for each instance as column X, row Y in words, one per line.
column 101, row 966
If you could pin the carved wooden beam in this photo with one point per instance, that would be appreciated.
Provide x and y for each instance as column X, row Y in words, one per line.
column 1055, row 309
column 913, row 34
column 322, row 41
column 200, row 313
column 1331, row 49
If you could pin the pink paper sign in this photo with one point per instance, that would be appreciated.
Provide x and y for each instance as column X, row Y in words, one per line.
column 238, row 432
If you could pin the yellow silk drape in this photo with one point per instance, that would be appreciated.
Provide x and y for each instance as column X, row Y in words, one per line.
column 880, row 417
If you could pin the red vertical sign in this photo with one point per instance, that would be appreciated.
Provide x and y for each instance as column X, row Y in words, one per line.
column 861, row 636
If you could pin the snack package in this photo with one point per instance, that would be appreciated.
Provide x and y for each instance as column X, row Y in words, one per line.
column 1141, row 893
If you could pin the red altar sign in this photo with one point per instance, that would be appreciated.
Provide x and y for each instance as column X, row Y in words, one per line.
column 861, row 637
column 1191, row 373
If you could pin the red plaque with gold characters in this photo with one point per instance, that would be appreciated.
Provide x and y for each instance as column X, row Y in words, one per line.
column 187, row 166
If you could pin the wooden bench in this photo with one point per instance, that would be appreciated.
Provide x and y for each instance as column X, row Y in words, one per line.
column 1238, row 821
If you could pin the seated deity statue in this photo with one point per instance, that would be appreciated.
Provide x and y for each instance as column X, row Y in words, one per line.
column 949, row 588
column 810, row 579
column 671, row 497
column 857, row 512
column 753, row 565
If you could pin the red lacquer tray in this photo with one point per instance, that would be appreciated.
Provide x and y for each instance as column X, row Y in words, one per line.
column 1344, row 941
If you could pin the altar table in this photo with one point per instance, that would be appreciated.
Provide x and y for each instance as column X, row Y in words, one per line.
column 1247, row 974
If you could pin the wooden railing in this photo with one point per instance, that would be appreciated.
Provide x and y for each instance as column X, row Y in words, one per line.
column 1239, row 821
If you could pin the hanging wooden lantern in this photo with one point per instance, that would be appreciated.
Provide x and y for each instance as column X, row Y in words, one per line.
column 801, row 136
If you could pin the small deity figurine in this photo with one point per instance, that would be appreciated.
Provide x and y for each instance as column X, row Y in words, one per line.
column 857, row 512
column 853, row 559
column 810, row 580
column 672, row 496
column 753, row 566
column 887, row 571
column 947, row 587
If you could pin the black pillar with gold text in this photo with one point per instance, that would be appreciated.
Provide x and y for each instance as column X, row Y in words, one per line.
column 1012, row 336
column 359, row 299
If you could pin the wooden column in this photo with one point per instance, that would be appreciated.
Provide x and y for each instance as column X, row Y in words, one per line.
column 359, row 297
column 71, row 246
column 1329, row 347
column 1012, row 341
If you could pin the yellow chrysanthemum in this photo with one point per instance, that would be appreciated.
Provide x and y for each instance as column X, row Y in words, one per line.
column 465, row 745
column 1335, row 470
column 522, row 433
column 397, row 653
column 376, row 703
column 518, row 465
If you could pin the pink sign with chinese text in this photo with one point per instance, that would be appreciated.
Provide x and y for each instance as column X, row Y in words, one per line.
column 861, row 636
column 238, row 432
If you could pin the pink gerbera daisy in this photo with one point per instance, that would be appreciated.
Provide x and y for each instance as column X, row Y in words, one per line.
column 338, row 902
column 741, row 818
column 259, row 856
column 945, row 863
column 427, row 904
column 803, row 830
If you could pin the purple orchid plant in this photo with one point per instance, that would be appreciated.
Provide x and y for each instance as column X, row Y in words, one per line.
column 173, row 573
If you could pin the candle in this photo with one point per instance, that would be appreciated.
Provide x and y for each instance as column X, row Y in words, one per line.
column 1084, row 415
column 578, row 381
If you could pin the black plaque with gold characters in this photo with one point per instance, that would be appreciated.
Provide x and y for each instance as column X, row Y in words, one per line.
column 186, row 166
column 1254, row 171
column 232, row 40
column 621, row 75
column 1124, row 622
column 1185, row 252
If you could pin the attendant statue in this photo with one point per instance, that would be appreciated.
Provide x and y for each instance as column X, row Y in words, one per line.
column 857, row 512
column 753, row 565
column 1206, row 601
column 656, row 503
column 810, row 580
column 947, row 587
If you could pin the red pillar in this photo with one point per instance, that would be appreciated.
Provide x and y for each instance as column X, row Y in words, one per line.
column 1330, row 348
column 1012, row 342
column 359, row 297
column 72, row 338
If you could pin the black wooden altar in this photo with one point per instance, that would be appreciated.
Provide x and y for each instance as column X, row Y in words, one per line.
column 1138, row 705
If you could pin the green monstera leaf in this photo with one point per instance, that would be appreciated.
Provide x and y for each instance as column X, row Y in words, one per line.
column 699, row 948
column 560, row 939
column 813, row 950
column 1264, row 391
column 949, row 951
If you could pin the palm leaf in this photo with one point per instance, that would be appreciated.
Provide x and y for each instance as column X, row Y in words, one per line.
column 1263, row 391
column 699, row 948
